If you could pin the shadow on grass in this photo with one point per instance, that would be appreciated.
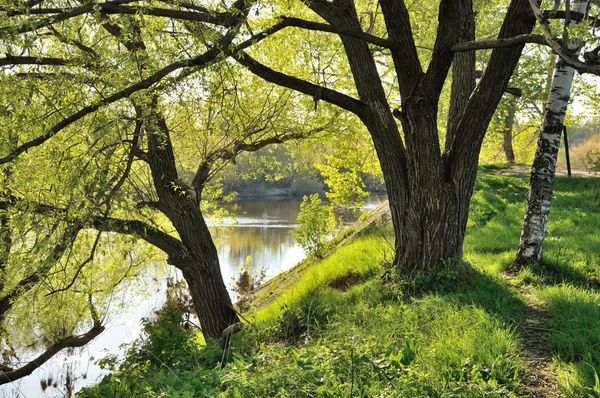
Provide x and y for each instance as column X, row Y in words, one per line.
column 485, row 291
column 528, row 324
column 574, row 337
column 550, row 274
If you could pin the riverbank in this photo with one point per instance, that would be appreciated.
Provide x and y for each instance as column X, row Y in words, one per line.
column 474, row 334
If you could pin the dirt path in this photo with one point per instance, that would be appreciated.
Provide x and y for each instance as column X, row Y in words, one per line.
column 540, row 379
column 560, row 171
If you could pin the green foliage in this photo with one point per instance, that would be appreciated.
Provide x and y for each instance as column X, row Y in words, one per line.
column 316, row 225
column 165, row 341
column 365, row 256
column 344, row 180
column 246, row 282
column 166, row 360
column 592, row 159
column 310, row 315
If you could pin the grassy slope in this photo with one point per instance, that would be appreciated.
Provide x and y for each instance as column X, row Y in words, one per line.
column 462, row 339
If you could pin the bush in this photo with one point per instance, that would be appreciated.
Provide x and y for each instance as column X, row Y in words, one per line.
column 317, row 223
column 592, row 159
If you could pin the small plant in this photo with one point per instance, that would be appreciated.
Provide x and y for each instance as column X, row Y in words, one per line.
column 246, row 282
column 310, row 315
column 317, row 223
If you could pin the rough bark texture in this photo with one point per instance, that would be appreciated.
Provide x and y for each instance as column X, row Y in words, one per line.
column 195, row 255
column 508, row 134
column 533, row 230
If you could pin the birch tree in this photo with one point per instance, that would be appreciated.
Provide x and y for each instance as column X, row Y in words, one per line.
column 542, row 177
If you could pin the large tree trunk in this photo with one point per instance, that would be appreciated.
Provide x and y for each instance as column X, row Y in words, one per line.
column 533, row 230
column 428, row 191
column 429, row 194
column 202, row 272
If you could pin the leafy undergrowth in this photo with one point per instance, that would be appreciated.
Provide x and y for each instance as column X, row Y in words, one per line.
column 460, row 337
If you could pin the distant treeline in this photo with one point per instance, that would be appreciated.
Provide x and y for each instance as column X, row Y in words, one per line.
column 282, row 171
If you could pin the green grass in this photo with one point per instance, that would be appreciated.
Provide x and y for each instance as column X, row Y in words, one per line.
column 461, row 340
column 365, row 256
column 567, row 281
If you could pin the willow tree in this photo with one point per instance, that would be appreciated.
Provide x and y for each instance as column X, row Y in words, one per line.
column 429, row 180
column 117, row 118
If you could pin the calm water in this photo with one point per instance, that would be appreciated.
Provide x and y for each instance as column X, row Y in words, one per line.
column 261, row 230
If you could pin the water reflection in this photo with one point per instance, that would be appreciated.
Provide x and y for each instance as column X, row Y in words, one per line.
column 261, row 230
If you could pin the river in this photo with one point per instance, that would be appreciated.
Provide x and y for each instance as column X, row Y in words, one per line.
column 260, row 231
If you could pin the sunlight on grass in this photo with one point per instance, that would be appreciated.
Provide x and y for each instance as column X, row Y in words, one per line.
column 364, row 256
column 574, row 322
column 379, row 338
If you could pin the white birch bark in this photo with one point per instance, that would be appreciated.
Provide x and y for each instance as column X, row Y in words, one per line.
column 533, row 230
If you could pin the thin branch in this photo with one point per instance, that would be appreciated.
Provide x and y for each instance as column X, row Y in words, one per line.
column 232, row 151
column 222, row 19
column 564, row 55
column 27, row 283
column 114, row 190
column 86, row 49
column 498, row 43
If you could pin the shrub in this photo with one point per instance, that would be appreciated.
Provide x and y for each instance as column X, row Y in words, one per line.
column 317, row 223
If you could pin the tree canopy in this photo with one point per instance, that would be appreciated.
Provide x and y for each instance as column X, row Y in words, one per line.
column 119, row 115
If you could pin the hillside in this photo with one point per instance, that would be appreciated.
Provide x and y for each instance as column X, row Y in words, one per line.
column 477, row 333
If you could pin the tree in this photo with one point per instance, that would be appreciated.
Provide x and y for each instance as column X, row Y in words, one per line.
column 539, row 198
column 429, row 189
column 117, row 120
column 316, row 225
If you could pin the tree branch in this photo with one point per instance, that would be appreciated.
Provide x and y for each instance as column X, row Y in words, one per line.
column 499, row 43
column 69, row 342
column 114, row 190
column 162, row 240
column 402, row 45
column 222, row 19
column 463, row 150
column 564, row 55
column 453, row 15
column 228, row 154
column 30, row 26
column 18, row 60
column 322, row 27
column 326, row 94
